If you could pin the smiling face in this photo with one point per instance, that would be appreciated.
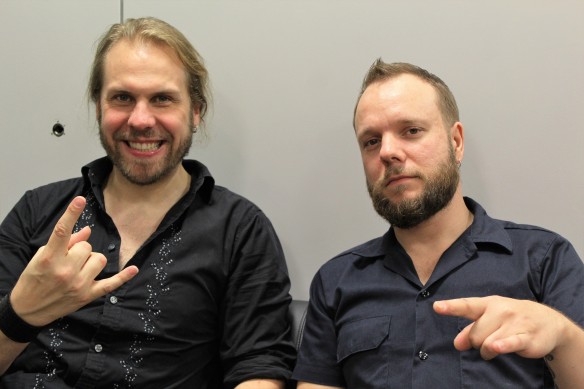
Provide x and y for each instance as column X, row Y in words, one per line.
column 144, row 111
column 408, row 154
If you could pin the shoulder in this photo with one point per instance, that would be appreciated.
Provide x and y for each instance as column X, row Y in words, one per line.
column 214, row 194
column 537, row 242
column 61, row 188
column 51, row 195
column 354, row 259
column 35, row 214
column 514, row 237
column 232, row 202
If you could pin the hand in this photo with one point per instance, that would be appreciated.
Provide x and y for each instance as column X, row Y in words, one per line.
column 504, row 325
column 60, row 278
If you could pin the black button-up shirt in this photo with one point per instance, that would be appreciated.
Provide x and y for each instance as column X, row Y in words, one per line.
column 207, row 308
column 370, row 322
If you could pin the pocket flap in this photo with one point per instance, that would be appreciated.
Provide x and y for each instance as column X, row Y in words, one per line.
column 362, row 335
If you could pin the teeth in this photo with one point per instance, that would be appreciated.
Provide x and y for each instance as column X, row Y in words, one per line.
column 145, row 146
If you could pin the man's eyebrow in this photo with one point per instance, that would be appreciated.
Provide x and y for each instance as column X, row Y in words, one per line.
column 115, row 90
column 412, row 122
column 399, row 123
column 167, row 92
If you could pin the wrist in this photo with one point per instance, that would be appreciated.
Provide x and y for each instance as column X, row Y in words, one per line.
column 12, row 325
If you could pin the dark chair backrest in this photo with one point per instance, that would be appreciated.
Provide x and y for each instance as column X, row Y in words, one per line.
column 297, row 314
column 297, row 317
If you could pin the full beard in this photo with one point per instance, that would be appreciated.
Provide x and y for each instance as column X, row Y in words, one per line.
column 408, row 213
column 145, row 172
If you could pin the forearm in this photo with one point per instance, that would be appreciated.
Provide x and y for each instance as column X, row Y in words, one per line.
column 306, row 385
column 9, row 350
column 261, row 384
column 565, row 361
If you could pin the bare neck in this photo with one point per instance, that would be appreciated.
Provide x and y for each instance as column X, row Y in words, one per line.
column 426, row 242
column 137, row 211
column 120, row 194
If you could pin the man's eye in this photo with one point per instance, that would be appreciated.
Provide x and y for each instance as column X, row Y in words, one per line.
column 370, row 143
column 162, row 99
column 413, row 131
column 122, row 98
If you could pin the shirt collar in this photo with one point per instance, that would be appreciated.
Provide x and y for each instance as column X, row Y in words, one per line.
column 484, row 230
column 95, row 174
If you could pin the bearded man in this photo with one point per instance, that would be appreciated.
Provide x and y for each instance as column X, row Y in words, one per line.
column 385, row 314
column 142, row 273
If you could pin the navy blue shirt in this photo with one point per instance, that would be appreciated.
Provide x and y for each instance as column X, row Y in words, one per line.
column 208, row 308
column 370, row 322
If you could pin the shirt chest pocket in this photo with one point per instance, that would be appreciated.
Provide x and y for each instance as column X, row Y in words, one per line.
column 362, row 335
column 362, row 351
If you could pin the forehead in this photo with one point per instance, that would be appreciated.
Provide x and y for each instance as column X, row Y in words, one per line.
column 405, row 96
column 136, row 60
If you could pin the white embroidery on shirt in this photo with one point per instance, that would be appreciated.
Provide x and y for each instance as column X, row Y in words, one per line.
column 153, row 309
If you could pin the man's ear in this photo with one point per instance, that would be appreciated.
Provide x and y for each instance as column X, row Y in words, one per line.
column 457, row 139
column 196, row 115
column 98, row 111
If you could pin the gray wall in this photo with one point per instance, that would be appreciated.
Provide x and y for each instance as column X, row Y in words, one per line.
column 285, row 77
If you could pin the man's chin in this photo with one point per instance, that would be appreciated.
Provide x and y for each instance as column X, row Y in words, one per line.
column 400, row 195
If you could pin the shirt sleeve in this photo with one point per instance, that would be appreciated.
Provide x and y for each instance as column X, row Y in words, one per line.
column 562, row 278
column 317, row 357
column 256, row 341
column 28, row 226
column 16, row 241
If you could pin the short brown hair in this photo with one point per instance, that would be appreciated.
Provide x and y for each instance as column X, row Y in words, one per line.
column 381, row 71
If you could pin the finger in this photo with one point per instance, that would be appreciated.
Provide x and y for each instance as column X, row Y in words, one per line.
column 471, row 308
column 467, row 339
column 93, row 264
column 78, row 256
column 491, row 347
column 516, row 343
column 462, row 340
column 79, row 236
column 59, row 240
column 108, row 285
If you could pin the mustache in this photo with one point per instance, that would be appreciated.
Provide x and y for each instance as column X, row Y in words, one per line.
column 392, row 171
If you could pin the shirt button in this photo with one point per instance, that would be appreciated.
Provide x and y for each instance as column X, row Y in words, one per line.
column 425, row 294
column 422, row 355
column 111, row 247
column 113, row 300
column 98, row 348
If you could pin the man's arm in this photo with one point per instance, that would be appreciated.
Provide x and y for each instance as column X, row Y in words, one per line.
column 59, row 279
column 10, row 350
column 532, row 330
column 256, row 336
column 306, row 385
column 261, row 384
column 271, row 384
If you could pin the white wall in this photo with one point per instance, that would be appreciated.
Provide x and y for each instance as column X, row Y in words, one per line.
column 285, row 77
column 46, row 49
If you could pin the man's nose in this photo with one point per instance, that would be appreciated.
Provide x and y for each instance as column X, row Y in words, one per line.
column 142, row 116
column 391, row 150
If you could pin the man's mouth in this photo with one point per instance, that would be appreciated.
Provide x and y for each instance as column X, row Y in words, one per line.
column 396, row 178
column 144, row 146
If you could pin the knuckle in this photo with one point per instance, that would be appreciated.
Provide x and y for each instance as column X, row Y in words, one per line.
column 64, row 275
column 42, row 257
column 60, row 230
column 99, row 258
column 86, row 246
column 474, row 341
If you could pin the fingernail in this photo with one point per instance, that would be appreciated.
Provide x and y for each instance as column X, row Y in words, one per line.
column 78, row 202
